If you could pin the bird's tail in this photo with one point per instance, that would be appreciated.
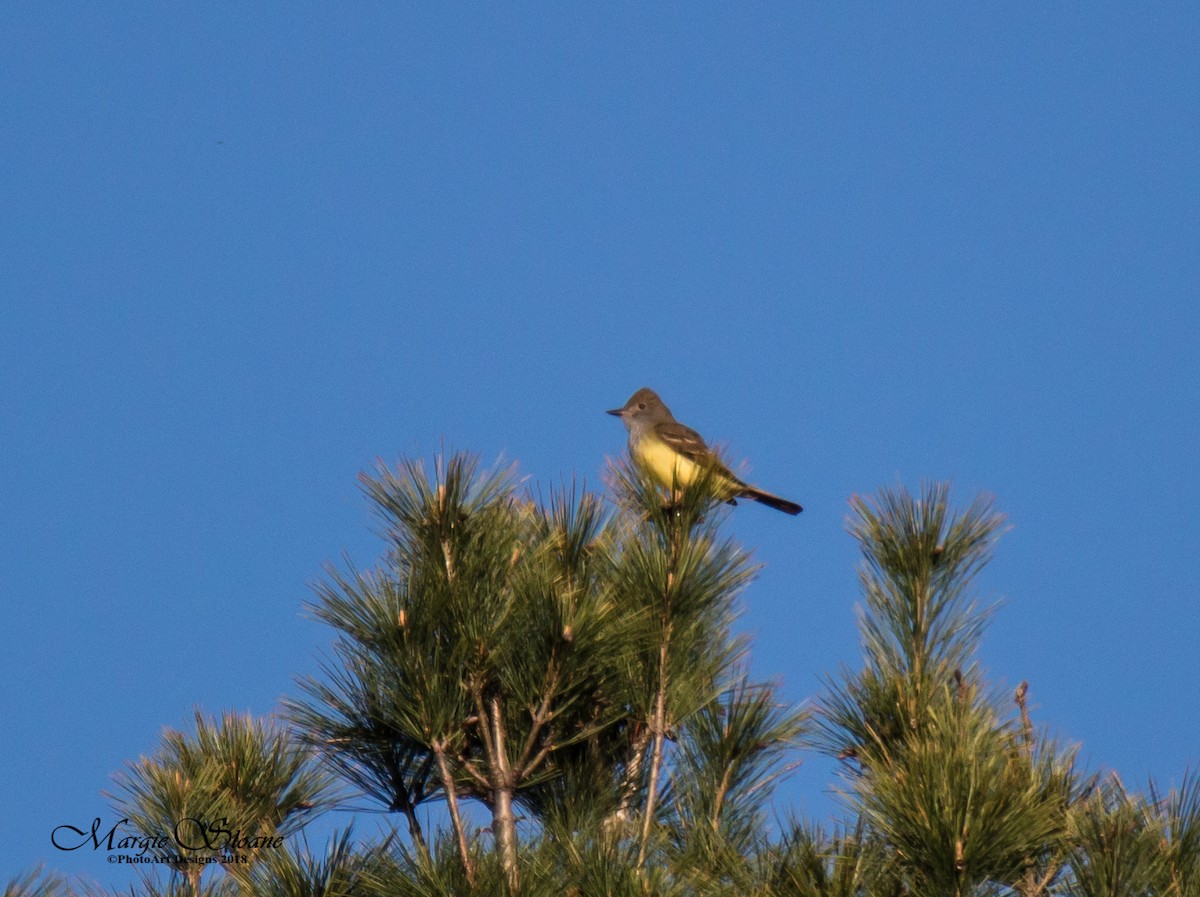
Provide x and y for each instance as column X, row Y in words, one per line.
column 771, row 501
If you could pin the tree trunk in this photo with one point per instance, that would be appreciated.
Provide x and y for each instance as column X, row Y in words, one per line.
column 455, row 818
column 504, row 825
column 659, row 726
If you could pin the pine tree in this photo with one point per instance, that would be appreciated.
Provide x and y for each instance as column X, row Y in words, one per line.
column 961, row 795
column 560, row 677
column 234, row 782
column 570, row 661
column 36, row 882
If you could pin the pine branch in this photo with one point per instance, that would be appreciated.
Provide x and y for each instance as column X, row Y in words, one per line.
column 450, row 789
column 503, row 822
column 658, row 731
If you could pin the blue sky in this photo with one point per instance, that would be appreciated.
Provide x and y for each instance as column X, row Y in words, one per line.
column 246, row 250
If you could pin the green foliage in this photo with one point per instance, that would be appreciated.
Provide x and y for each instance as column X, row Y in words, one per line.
column 963, row 803
column 810, row 863
column 566, row 668
column 1181, row 821
column 36, row 882
column 731, row 752
column 489, row 641
column 175, row 885
column 295, row 872
column 248, row 775
column 675, row 570
column 960, row 795
column 437, row 872
column 919, row 625
column 1117, row 846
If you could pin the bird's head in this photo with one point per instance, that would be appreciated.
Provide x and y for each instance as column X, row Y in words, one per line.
column 644, row 403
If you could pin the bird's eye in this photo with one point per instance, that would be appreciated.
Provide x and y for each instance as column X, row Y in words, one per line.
column 641, row 406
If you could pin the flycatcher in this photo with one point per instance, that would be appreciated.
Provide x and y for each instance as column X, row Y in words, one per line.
column 676, row 454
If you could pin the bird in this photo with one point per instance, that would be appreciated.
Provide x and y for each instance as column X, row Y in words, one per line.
column 676, row 455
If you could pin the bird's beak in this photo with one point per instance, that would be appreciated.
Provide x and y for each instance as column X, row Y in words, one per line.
column 616, row 412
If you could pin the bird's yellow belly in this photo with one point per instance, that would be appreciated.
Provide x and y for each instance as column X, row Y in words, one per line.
column 668, row 466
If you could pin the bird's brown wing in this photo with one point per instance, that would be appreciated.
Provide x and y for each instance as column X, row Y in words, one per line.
column 691, row 445
column 684, row 440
